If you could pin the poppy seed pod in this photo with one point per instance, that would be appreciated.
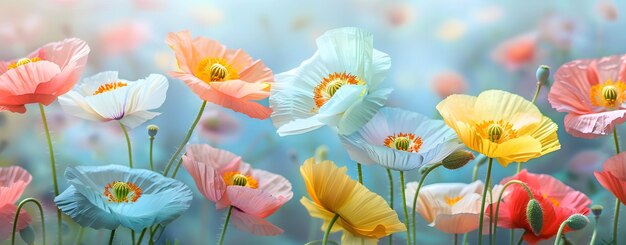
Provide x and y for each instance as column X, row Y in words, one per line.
column 457, row 159
column 577, row 221
column 543, row 75
column 534, row 214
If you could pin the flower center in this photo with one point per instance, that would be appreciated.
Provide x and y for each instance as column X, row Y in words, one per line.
column 452, row 200
column 238, row 179
column 554, row 201
column 608, row 94
column 404, row 142
column 331, row 84
column 109, row 87
column 215, row 70
column 22, row 62
column 496, row 131
column 118, row 192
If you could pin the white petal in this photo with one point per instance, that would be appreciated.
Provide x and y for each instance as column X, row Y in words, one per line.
column 347, row 50
column 109, row 105
column 300, row 126
column 75, row 104
column 90, row 84
column 380, row 66
column 137, row 118
column 147, row 94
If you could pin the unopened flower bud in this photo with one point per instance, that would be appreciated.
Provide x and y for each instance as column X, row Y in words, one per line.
column 28, row 235
column 577, row 221
column 597, row 210
column 152, row 130
column 321, row 153
column 543, row 75
column 534, row 214
column 457, row 159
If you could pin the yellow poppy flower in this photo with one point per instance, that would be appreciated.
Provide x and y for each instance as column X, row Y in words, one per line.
column 364, row 216
column 500, row 125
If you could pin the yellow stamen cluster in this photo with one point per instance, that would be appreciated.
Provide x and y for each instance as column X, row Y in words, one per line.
column 452, row 200
column 404, row 142
column 496, row 131
column 215, row 70
column 609, row 94
column 331, row 84
column 554, row 202
column 109, row 87
column 118, row 192
column 238, row 179
column 22, row 62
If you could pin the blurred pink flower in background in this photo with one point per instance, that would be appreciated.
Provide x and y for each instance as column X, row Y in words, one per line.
column 13, row 182
column 613, row 176
column 19, row 28
column 123, row 37
column 43, row 75
column 218, row 126
column 149, row 4
column 585, row 162
column 447, row 83
column 517, row 51
column 399, row 14
column 557, row 30
column 607, row 10
column 488, row 14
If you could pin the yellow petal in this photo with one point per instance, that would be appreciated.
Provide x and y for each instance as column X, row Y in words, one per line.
column 546, row 134
column 457, row 108
column 350, row 239
column 327, row 184
column 520, row 149
column 497, row 104
column 318, row 211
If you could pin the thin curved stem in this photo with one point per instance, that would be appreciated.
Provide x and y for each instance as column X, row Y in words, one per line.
column 390, row 177
column 495, row 216
column 17, row 215
column 151, row 161
column 617, row 203
column 519, row 167
column 128, row 145
column 143, row 233
column 595, row 232
column 176, row 168
column 230, row 211
column 521, row 239
column 456, row 239
column 559, row 234
column 111, row 237
column 406, row 213
column 536, row 92
column 417, row 192
column 512, row 236
column 330, row 226
column 79, row 237
column 132, row 236
column 54, row 171
column 187, row 137
column 482, row 203
column 360, row 171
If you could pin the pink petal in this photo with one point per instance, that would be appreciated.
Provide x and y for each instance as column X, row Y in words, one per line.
column 71, row 56
column 254, row 201
column 241, row 90
column 13, row 181
column 457, row 223
column 26, row 78
column 199, row 87
column 222, row 161
column 256, row 72
column 254, row 225
column 273, row 183
column 182, row 45
column 570, row 91
column 250, row 108
column 593, row 125
column 7, row 215
column 238, row 59
column 210, row 184
column 613, row 177
column 13, row 108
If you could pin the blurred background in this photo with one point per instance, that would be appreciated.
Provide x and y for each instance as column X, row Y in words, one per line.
column 437, row 48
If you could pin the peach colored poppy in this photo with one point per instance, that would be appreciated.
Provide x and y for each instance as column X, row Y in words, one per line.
column 613, row 176
column 227, row 77
column 223, row 178
column 592, row 92
column 43, row 75
column 517, row 51
column 13, row 181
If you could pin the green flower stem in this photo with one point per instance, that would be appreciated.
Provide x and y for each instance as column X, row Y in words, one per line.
column 495, row 216
column 417, row 192
column 79, row 237
column 230, row 210
column 617, row 203
column 176, row 168
column 559, row 234
column 54, row 172
column 406, row 213
column 519, row 167
column 482, row 203
column 512, row 236
column 132, row 236
column 151, row 161
column 390, row 176
column 595, row 232
column 143, row 232
column 17, row 215
column 128, row 144
column 456, row 239
column 330, row 226
column 111, row 237
column 358, row 167
column 521, row 239
column 187, row 137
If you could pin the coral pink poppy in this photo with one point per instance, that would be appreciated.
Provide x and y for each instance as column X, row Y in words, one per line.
column 557, row 200
column 42, row 76
column 592, row 92
column 227, row 77
column 448, row 83
column 223, row 178
column 613, row 176
column 517, row 51
column 13, row 181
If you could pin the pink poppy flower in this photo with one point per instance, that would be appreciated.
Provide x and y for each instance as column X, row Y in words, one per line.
column 227, row 77
column 124, row 37
column 223, row 178
column 613, row 176
column 592, row 92
column 42, row 76
column 517, row 51
column 448, row 83
column 13, row 181
column 557, row 200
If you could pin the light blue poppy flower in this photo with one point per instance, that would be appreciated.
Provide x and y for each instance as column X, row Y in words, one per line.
column 338, row 86
column 105, row 197
column 401, row 140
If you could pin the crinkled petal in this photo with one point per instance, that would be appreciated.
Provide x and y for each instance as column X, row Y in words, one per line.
column 82, row 211
column 255, row 225
column 595, row 124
